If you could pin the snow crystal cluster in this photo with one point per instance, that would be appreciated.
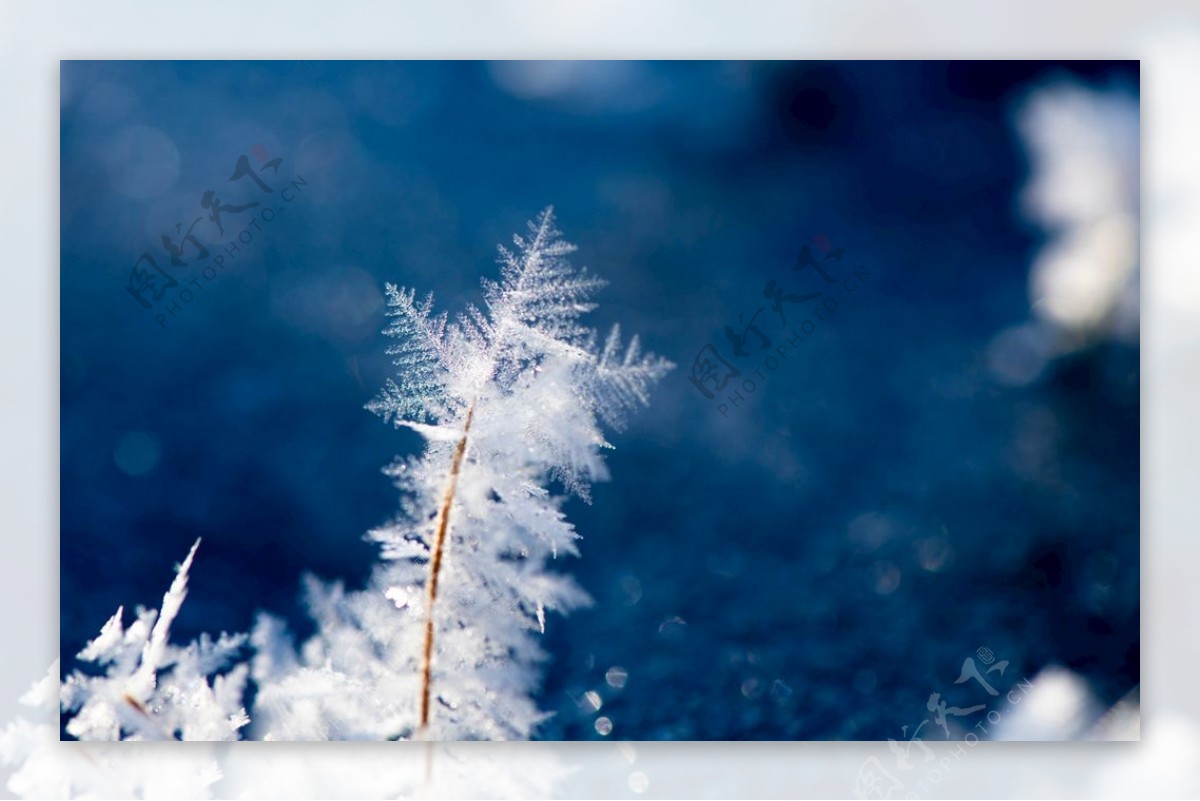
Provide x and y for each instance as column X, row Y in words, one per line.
column 152, row 690
column 442, row 644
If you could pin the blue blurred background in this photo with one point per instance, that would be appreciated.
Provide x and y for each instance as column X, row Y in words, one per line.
column 810, row 563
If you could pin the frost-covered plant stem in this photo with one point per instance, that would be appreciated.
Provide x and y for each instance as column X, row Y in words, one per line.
column 435, row 564
column 443, row 643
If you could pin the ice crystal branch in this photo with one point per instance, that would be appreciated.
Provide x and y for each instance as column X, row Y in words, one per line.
column 509, row 399
column 421, row 356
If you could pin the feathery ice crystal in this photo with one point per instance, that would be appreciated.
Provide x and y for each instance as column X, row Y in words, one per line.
column 509, row 399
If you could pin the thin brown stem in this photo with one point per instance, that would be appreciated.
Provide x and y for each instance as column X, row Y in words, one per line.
column 441, row 526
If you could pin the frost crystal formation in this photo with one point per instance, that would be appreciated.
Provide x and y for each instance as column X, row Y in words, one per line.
column 510, row 399
column 152, row 690
column 443, row 642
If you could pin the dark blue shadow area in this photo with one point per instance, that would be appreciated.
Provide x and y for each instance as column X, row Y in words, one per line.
column 809, row 561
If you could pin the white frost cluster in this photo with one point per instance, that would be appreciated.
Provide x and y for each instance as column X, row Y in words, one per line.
column 443, row 642
column 509, row 398
column 152, row 690
column 1083, row 192
column 47, row 768
column 1084, row 147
